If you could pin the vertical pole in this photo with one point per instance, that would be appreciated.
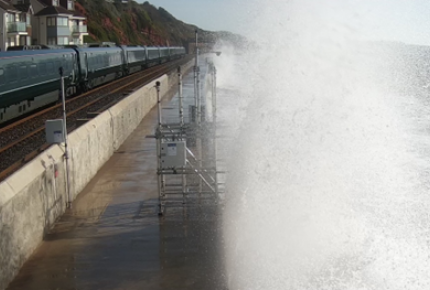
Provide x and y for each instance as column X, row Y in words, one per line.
column 158, row 140
column 66, row 149
column 214, row 104
column 196, row 78
column 181, row 104
column 197, row 109
column 157, row 86
column 181, row 117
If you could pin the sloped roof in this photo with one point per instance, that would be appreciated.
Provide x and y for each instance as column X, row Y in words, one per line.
column 23, row 7
column 7, row 6
column 53, row 10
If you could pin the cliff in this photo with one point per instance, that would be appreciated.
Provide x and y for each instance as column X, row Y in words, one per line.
column 129, row 22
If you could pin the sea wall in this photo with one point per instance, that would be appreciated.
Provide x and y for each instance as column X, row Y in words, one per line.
column 34, row 197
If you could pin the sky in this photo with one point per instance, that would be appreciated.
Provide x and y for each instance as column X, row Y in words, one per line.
column 213, row 15
column 396, row 20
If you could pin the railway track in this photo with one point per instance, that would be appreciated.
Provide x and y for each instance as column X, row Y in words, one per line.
column 23, row 140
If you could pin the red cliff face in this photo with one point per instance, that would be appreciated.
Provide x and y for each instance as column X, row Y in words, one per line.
column 139, row 24
column 133, row 23
column 81, row 9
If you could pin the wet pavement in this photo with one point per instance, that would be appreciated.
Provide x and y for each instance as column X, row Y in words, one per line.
column 113, row 238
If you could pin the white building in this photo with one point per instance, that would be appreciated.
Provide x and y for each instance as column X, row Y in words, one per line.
column 48, row 22
column 15, row 24
column 56, row 22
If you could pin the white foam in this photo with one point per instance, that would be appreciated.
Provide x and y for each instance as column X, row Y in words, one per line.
column 327, row 188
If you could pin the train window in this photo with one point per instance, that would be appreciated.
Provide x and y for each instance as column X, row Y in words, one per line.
column 57, row 66
column 12, row 73
column 42, row 69
column 33, row 70
column 23, row 72
column 23, row 107
column 19, row 109
column 2, row 81
column 50, row 68
column 1, row 116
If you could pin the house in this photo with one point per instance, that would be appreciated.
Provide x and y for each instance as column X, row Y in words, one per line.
column 56, row 22
column 16, row 24
column 49, row 22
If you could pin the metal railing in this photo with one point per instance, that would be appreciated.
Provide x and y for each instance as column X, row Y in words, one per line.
column 17, row 27
column 79, row 29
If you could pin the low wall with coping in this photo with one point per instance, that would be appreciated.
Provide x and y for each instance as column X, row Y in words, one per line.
column 34, row 197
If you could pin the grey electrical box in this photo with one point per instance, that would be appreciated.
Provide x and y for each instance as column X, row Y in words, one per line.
column 54, row 131
column 173, row 154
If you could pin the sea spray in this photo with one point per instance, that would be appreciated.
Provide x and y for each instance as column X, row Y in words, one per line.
column 326, row 187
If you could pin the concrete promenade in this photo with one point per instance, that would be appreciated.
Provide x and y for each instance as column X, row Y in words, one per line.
column 113, row 238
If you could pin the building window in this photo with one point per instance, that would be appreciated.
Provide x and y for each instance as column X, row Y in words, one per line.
column 76, row 40
column 50, row 21
column 52, row 41
column 54, row 2
column 70, row 5
column 62, row 21
column 22, row 40
column 63, row 40
column 11, row 17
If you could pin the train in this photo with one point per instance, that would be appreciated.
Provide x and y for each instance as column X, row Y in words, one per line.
column 30, row 79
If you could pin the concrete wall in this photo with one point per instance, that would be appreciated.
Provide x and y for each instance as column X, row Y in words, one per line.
column 34, row 197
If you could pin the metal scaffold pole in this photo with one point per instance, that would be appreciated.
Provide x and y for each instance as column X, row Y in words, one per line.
column 181, row 118
column 196, row 88
column 181, row 97
column 214, row 120
column 197, row 103
column 158, row 140
column 66, row 149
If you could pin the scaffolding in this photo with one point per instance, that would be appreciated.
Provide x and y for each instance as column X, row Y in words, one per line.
column 187, row 151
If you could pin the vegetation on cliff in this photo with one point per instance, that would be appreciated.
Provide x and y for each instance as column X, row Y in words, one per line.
column 133, row 23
